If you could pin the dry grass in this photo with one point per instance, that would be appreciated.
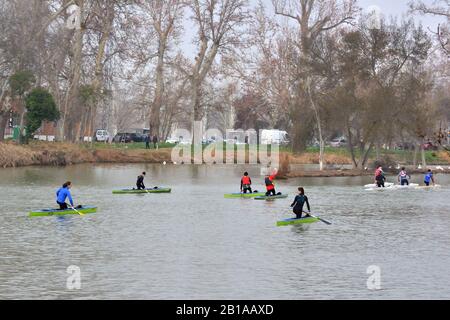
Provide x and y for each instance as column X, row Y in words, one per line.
column 15, row 156
column 313, row 158
column 444, row 156
column 60, row 154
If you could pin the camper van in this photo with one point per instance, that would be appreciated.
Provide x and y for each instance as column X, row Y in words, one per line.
column 274, row 137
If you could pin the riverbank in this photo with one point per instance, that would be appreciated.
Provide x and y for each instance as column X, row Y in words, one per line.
column 338, row 161
column 63, row 154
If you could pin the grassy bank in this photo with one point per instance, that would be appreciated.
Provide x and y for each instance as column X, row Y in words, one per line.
column 342, row 156
column 60, row 154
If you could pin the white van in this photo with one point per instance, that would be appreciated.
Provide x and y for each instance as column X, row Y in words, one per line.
column 274, row 137
column 101, row 135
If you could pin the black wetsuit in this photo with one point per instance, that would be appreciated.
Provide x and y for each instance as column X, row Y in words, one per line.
column 140, row 183
column 298, row 204
column 380, row 180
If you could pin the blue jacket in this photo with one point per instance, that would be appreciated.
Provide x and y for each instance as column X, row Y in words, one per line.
column 429, row 177
column 62, row 194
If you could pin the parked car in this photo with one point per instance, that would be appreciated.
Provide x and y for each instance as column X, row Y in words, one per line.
column 429, row 146
column 128, row 137
column 101, row 135
column 173, row 140
column 274, row 137
column 339, row 142
column 405, row 146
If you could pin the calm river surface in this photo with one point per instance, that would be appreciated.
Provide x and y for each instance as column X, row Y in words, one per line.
column 194, row 244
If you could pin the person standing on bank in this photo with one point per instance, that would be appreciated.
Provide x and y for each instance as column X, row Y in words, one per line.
column 155, row 141
column 147, row 141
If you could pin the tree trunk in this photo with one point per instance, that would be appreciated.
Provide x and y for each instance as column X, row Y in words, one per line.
column 365, row 157
column 319, row 124
column 155, row 121
column 416, row 149
column 3, row 123
column 424, row 161
column 196, row 100
column 71, row 102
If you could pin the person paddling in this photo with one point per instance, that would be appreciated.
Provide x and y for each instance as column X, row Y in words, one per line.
column 379, row 177
column 246, row 183
column 429, row 178
column 270, row 187
column 140, row 181
column 403, row 177
column 62, row 194
column 299, row 203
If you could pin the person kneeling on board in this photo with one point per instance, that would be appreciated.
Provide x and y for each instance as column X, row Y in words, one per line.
column 270, row 187
column 246, row 183
column 403, row 177
column 140, row 181
column 429, row 178
column 62, row 194
column 379, row 177
column 299, row 203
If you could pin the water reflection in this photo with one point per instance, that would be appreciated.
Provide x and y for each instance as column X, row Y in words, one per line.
column 194, row 244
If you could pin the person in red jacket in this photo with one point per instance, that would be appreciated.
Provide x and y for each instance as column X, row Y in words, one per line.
column 246, row 183
column 270, row 187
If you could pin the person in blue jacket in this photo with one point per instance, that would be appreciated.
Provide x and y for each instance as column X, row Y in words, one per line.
column 62, row 194
column 429, row 178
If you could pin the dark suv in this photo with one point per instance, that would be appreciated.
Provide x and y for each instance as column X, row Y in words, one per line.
column 128, row 137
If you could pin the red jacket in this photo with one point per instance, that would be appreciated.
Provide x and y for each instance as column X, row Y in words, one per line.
column 269, row 182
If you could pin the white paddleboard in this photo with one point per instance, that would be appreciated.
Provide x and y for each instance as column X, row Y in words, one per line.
column 374, row 185
column 411, row 186
column 430, row 187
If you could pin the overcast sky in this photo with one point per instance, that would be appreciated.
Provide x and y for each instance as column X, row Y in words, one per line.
column 400, row 8
column 396, row 8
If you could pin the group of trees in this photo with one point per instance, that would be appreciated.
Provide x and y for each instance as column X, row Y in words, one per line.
column 317, row 68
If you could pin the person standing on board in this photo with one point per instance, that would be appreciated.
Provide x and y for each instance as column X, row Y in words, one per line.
column 62, row 194
column 270, row 187
column 140, row 181
column 429, row 178
column 403, row 177
column 379, row 177
column 299, row 203
column 246, row 183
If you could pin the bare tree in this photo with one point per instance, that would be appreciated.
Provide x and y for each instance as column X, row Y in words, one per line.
column 219, row 27
column 313, row 17
column 439, row 8
column 164, row 16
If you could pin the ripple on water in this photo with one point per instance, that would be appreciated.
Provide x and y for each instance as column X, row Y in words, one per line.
column 194, row 244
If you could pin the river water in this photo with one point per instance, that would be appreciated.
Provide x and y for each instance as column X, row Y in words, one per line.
column 194, row 244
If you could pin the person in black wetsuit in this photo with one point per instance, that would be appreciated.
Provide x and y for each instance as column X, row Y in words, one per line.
column 140, row 181
column 379, row 177
column 299, row 203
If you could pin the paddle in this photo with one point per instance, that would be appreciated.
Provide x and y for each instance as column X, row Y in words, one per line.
column 81, row 214
column 320, row 219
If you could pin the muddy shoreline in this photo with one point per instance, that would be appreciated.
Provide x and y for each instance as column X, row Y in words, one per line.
column 60, row 154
